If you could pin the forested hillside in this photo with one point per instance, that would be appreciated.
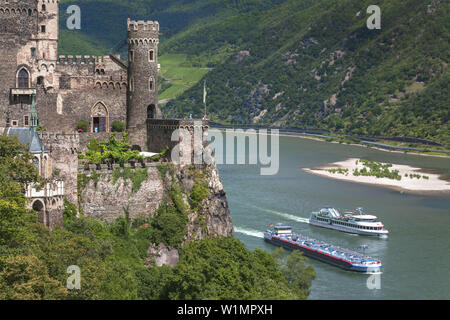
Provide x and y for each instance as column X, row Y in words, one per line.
column 304, row 63
column 104, row 21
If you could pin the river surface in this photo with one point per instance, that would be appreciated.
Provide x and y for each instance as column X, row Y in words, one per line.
column 415, row 257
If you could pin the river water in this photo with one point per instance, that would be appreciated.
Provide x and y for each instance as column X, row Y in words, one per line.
column 415, row 257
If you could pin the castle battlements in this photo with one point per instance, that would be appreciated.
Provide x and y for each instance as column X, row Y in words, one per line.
column 109, row 168
column 173, row 124
column 53, row 137
column 63, row 59
column 141, row 25
column 23, row 7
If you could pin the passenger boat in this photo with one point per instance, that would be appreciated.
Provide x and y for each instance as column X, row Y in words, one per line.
column 342, row 258
column 356, row 222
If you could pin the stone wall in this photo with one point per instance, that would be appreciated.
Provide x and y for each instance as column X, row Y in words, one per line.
column 105, row 200
column 160, row 131
column 64, row 154
column 78, row 104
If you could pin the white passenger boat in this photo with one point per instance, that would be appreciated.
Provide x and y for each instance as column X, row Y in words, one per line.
column 356, row 222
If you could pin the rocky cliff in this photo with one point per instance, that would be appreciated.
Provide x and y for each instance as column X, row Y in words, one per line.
column 107, row 194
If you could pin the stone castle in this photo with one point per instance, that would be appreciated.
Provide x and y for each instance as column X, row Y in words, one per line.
column 98, row 90
column 44, row 97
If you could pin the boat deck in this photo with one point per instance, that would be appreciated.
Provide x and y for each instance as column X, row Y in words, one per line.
column 335, row 251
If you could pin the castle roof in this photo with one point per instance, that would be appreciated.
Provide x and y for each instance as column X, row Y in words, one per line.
column 29, row 138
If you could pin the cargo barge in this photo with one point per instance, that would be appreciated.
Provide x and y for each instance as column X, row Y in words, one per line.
column 348, row 260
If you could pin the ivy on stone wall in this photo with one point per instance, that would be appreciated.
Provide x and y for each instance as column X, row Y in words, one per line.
column 200, row 190
column 136, row 176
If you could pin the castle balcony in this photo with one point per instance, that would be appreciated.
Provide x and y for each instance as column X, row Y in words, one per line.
column 51, row 189
column 22, row 92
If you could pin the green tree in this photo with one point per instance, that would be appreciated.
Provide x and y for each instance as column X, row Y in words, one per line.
column 25, row 277
column 298, row 275
column 219, row 268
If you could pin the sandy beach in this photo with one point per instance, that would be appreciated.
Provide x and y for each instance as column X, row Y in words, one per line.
column 433, row 184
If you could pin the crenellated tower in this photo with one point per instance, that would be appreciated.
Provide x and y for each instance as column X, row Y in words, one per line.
column 142, row 93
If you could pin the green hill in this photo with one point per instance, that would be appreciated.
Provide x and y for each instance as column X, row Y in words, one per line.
column 303, row 63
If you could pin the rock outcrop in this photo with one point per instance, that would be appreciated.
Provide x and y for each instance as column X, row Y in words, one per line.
column 106, row 196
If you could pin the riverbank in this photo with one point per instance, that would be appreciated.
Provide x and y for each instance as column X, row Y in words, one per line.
column 411, row 179
column 366, row 144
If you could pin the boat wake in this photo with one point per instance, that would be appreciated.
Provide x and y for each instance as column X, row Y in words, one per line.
column 249, row 232
column 373, row 273
column 284, row 215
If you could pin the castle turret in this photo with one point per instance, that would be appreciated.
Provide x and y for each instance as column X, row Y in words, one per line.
column 48, row 30
column 142, row 95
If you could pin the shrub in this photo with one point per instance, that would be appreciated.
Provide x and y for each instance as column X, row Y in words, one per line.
column 82, row 126
column 118, row 126
column 70, row 211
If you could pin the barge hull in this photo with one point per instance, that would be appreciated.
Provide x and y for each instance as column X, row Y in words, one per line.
column 315, row 255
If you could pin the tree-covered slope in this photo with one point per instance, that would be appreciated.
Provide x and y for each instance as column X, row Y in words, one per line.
column 296, row 63
column 114, row 259
column 315, row 64
column 105, row 20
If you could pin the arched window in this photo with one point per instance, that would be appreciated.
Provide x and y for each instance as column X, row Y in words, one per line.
column 44, row 8
column 36, row 163
column 23, row 79
column 39, row 207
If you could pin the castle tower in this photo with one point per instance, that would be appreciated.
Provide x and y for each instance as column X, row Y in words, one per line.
column 142, row 93
column 48, row 30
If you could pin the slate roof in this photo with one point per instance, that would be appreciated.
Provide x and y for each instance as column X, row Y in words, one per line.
column 30, row 138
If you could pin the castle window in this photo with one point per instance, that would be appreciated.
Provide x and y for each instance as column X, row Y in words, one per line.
column 151, row 84
column 43, row 29
column 23, row 79
column 26, row 121
column 44, row 8
column 33, row 52
column 151, row 111
column 151, row 56
column 40, row 80
column 29, row 12
column 131, row 56
column 15, row 123
column 131, row 84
